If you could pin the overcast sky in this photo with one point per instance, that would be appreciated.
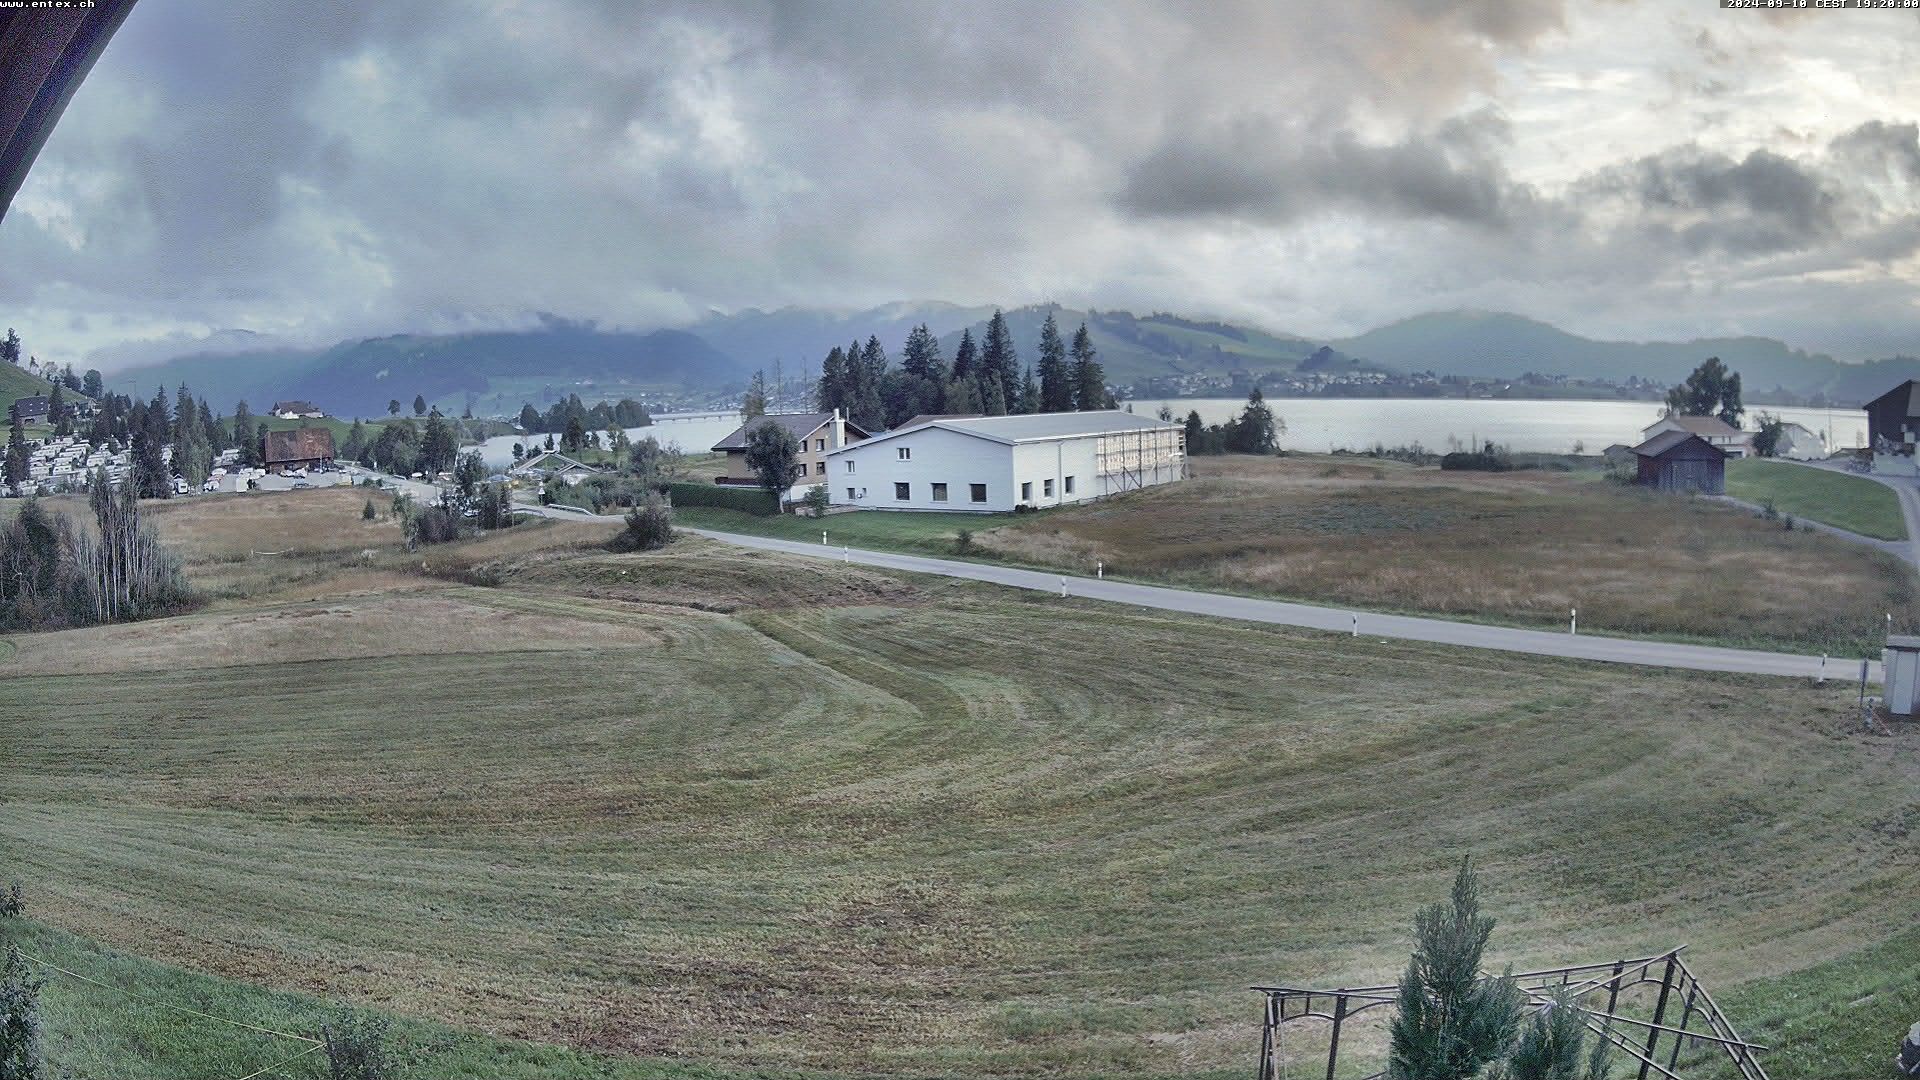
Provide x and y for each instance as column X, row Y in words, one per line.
column 1625, row 170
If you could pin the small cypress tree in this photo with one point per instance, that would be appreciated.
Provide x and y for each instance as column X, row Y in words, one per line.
column 1452, row 1020
column 1552, row 1046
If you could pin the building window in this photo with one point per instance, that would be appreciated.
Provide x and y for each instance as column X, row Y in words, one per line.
column 820, row 468
column 800, row 470
column 904, row 453
column 851, row 495
column 849, row 465
column 820, row 446
column 1069, row 485
column 1026, row 491
column 1046, row 487
column 979, row 492
column 901, row 492
column 939, row 493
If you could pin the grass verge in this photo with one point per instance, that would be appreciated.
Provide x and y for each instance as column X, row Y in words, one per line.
column 1854, row 503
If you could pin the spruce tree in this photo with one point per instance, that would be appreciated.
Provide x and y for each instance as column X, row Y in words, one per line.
column 1056, row 386
column 1089, row 378
column 18, row 457
column 993, row 401
column 966, row 356
column 830, row 392
column 10, row 348
column 57, row 413
column 1029, row 394
column 923, row 373
column 754, row 402
column 1452, row 1021
column 869, row 407
column 999, row 363
column 242, row 429
column 1552, row 1045
column 419, row 405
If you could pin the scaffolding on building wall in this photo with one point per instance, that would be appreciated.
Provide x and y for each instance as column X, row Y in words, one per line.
column 1604, row 994
column 1140, row 457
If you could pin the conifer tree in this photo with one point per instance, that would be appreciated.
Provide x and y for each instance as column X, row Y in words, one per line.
column 419, row 405
column 1056, row 385
column 1452, row 1021
column 999, row 363
column 754, row 402
column 1030, row 395
column 993, row 400
column 832, row 391
column 923, row 374
column 149, row 443
column 869, row 407
column 242, row 430
column 18, row 457
column 1089, row 378
column 966, row 356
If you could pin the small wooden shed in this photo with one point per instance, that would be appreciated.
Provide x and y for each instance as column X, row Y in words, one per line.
column 1682, row 461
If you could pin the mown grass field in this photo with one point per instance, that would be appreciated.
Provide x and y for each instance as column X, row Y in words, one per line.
column 1855, row 503
column 1522, row 547
column 780, row 815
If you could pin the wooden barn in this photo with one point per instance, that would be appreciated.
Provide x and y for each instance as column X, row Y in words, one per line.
column 305, row 448
column 1682, row 461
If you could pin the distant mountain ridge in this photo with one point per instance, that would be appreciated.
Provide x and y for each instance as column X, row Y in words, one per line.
column 715, row 355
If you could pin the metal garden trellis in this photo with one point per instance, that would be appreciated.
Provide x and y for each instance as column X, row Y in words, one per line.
column 1611, row 1019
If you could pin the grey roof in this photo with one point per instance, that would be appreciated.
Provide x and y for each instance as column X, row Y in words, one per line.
column 800, row 424
column 1667, row 440
column 1701, row 425
column 1038, row 427
column 928, row 418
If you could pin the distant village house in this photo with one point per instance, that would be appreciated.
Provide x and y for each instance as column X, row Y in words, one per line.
column 301, row 448
column 296, row 410
column 819, row 434
column 32, row 410
column 1711, row 429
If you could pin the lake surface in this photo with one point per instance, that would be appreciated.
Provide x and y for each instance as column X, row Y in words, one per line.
column 694, row 436
column 1318, row 425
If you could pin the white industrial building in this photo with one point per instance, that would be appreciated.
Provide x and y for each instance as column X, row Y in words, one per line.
column 990, row 464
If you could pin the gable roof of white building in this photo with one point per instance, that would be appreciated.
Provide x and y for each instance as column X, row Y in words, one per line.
column 1029, row 427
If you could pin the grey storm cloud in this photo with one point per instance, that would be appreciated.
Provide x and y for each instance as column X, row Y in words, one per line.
column 335, row 169
column 1257, row 168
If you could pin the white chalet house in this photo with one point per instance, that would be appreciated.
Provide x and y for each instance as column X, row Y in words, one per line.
column 1714, row 431
column 990, row 464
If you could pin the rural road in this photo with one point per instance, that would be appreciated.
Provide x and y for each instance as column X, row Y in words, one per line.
column 1279, row 612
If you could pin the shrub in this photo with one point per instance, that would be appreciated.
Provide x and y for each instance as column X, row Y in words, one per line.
column 356, row 1047
column 1490, row 458
column 367, row 512
column 434, row 525
column 817, row 501
column 963, row 541
column 19, row 1018
column 649, row 527
column 10, row 905
column 745, row 500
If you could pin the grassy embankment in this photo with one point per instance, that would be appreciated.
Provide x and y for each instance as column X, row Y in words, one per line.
column 1855, row 503
column 1519, row 548
column 869, row 823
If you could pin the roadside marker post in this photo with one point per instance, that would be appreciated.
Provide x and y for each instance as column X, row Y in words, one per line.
column 1100, row 569
column 823, row 536
column 1063, row 586
column 1573, row 621
column 1823, row 668
column 1356, row 624
column 846, row 553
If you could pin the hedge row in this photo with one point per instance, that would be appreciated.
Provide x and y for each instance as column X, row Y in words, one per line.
column 744, row 499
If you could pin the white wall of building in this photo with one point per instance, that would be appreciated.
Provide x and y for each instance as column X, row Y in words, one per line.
column 933, row 456
column 1038, row 472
